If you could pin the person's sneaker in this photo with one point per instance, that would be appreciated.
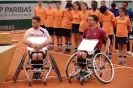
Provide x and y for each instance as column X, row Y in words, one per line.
column 132, row 54
column 66, row 51
column 124, row 63
column 59, row 50
column 120, row 63
column 36, row 76
column 128, row 52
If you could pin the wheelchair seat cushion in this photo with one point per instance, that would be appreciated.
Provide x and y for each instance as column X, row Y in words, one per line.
column 32, row 50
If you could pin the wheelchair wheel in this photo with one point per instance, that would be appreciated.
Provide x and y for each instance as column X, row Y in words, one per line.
column 20, row 67
column 55, row 67
column 71, row 66
column 103, row 68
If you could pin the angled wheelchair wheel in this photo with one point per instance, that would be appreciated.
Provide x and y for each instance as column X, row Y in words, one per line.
column 103, row 68
column 20, row 67
column 71, row 66
column 55, row 67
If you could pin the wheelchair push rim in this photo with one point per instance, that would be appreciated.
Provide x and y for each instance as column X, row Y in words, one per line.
column 20, row 67
column 71, row 60
column 55, row 67
column 103, row 68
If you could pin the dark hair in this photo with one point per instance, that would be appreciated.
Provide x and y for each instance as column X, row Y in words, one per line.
column 103, row 9
column 103, row 1
column 58, row 2
column 69, row 5
column 37, row 18
column 125, row 2
column 124, row 10
column 49, row 2
column 77, row 3
column 95, row 18
column 113, row 4
column 86, row 5
column 94, row 4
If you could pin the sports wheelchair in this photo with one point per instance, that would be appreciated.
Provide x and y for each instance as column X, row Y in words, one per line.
column 96, row 62
column 39, row 69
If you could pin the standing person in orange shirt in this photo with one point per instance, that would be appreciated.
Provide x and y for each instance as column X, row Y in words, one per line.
column 84, row 14
column 123, row 27
column 58, row 13
column 49, row 18
column 67, row 26
column 95, row 11
column 107, row 19
column 75, row 23
column 40, row 11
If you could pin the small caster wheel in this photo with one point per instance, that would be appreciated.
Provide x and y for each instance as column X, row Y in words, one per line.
column 44, row 83
column 29, row 84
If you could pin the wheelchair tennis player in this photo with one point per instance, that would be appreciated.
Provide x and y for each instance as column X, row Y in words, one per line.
column 92, row 32
column 36, row 51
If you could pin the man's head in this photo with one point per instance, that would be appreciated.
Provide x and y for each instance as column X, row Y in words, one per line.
column 103, row 9
column 36, row 22
column 113, row 5
column 92, row 20
column 94, row 5
column 40, row 3
column 58, row 3
column 84, row 6
column 125, row 4
column 69, row 6
column 103, row 3
column 49, row 3
column 76, row 5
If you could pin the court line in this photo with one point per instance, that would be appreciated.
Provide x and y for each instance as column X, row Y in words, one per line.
column 64, row 77
column 113, row 64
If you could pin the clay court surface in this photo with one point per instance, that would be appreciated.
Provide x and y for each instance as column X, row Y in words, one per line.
column 123, row 74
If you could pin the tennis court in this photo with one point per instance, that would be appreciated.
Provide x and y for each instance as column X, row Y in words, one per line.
column 123, row 74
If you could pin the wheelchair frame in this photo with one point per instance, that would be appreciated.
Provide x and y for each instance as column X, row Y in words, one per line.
column 28, row 69
column 91, row 69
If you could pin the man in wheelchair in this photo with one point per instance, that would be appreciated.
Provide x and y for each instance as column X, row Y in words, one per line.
column 92, row 32
column 37, row 51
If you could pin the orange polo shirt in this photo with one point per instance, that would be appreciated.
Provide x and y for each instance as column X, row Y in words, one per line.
column 108, row 19
column 49, row 18
column 83, row 20
column 40, row 11
column 122, row 24
column 58, row 15
column 97, row 13
column 67, row 19
column 76, row 17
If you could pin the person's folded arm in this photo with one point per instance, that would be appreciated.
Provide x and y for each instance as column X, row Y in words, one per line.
column 44, row 44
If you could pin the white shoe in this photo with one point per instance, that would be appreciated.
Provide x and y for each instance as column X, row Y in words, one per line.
column 132, row 54
column 128, row 52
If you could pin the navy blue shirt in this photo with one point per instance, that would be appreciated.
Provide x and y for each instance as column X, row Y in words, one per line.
column 129, row 14
column 115, row 12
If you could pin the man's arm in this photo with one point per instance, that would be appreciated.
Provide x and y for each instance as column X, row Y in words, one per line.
column 44, row 44
column 106, row 38
column 107, row 45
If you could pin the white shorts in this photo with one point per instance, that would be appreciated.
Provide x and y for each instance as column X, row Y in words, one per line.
column 33, row 50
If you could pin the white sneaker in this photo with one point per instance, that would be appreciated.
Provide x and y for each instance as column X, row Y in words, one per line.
column 128, row 52
column 132, row 54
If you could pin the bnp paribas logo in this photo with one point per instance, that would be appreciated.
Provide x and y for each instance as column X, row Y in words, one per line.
column 1, row 9
column 16, row 8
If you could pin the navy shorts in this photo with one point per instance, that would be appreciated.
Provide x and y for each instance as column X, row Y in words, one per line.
column 122, row 40
column 58, row 31
column 67, row 32
column 111, row 37
column 75, row 28
column 50, row 30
